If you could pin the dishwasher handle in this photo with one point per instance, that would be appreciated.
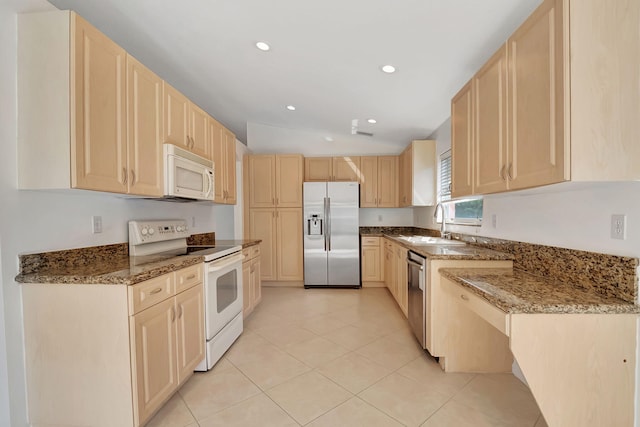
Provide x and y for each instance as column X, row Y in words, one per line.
column 417, row 264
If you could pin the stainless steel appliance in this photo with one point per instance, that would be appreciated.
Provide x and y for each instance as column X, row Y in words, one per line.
column 187, row 176
column 331, row 234
column 417, row 274
column 157, row 239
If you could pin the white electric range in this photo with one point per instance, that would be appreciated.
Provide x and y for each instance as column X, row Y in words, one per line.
column 222, row 278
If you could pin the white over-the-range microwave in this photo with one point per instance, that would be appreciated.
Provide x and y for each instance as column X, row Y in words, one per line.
column 187, row 176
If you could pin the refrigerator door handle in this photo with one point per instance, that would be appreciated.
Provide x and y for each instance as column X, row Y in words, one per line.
column 327, row 216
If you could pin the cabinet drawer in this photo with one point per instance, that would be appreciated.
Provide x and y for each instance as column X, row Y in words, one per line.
column 370, row 241
column 492, row 314
column 188, row 277
column 251, row 252
column 144, row 295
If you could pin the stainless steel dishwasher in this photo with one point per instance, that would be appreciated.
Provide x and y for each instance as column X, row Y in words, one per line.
column 416, row 277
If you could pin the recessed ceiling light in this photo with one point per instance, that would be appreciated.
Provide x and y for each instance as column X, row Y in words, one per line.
column 263, row 46
column 388, row 69
column 328, row 139
column 291, row 108
column 372, row 121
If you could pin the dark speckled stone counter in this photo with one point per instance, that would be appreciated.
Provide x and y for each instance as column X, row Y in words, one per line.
column 120, row 270
column 110, row 264
column 515, row 291
column 453, row 252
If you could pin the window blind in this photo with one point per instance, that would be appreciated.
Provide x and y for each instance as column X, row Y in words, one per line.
column 445, row 176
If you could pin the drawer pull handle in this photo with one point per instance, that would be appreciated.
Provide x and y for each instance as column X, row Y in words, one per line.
column 191, row 276
column 155, row 291
column 464, row 297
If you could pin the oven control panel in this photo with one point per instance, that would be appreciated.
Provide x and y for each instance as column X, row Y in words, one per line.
column 141, row 232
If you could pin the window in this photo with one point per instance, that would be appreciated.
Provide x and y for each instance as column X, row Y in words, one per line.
column 466, row 211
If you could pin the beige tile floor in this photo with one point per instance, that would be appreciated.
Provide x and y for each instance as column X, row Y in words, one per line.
column 340, row 357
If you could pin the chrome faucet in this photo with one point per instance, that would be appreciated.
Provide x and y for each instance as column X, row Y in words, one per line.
column 443, row 232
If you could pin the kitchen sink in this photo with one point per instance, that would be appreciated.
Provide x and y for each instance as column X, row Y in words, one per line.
column 427, row 240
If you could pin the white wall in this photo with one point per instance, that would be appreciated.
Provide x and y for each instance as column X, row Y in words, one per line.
column 270, row 139
column 568, row 215
column 36, row 221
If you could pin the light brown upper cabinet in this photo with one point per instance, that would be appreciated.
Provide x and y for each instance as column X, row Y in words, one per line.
column 185, row 124
column 343, row 168
column 379, row 181
column 418, row 174
column 144, row 124
column 318, row 168
column 223, row 143
column 541, row 111
column 78, row 85
column 275, row 180
column 462, row 143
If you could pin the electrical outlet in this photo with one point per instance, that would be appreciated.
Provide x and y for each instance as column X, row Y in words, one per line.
column 193, row 221
column 96, row 224
column 619, row 226
column 379, row 218
column 494, row 220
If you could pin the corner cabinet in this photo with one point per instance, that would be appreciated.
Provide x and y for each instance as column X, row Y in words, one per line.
column 540, row 115
column 418, row 166
column 124, row 349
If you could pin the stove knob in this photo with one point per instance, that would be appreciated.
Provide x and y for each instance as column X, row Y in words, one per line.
column 179, row 229
column 151, row 231
column 144, row 231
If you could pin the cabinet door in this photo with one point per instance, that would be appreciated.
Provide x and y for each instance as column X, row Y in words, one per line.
column 346, row 169
column 99, row 149
column 231, row 196
column 369, row 182
column 263, row 227
column 199, row 131
column 402, row 290
column 387, row 181
column 317, row 169
column 407, row 177
column 536, row 102
column 190, row 325
column 490, row 124
column 462, row 142
column 176, row 117
column 289, row 244
column 256, row 284
column 218, row 148
column 289, row 180
column 371, row 268
column 388, row 267
column 262, row 184
column 246, row 289
column 153, row 342
column 144, row 124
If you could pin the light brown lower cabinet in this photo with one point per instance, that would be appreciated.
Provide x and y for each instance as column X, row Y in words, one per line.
column 111, row 355
column 251, row 283
column 372, row 259
column 395, row 273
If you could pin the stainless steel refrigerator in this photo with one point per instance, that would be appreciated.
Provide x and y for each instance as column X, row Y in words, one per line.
column 331, row 234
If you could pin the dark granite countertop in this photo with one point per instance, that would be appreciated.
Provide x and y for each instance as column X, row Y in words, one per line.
column 515, row 291
column 109, row 264
column 435, row 252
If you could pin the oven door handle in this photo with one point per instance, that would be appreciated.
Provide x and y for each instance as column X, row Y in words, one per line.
column 217, row 266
